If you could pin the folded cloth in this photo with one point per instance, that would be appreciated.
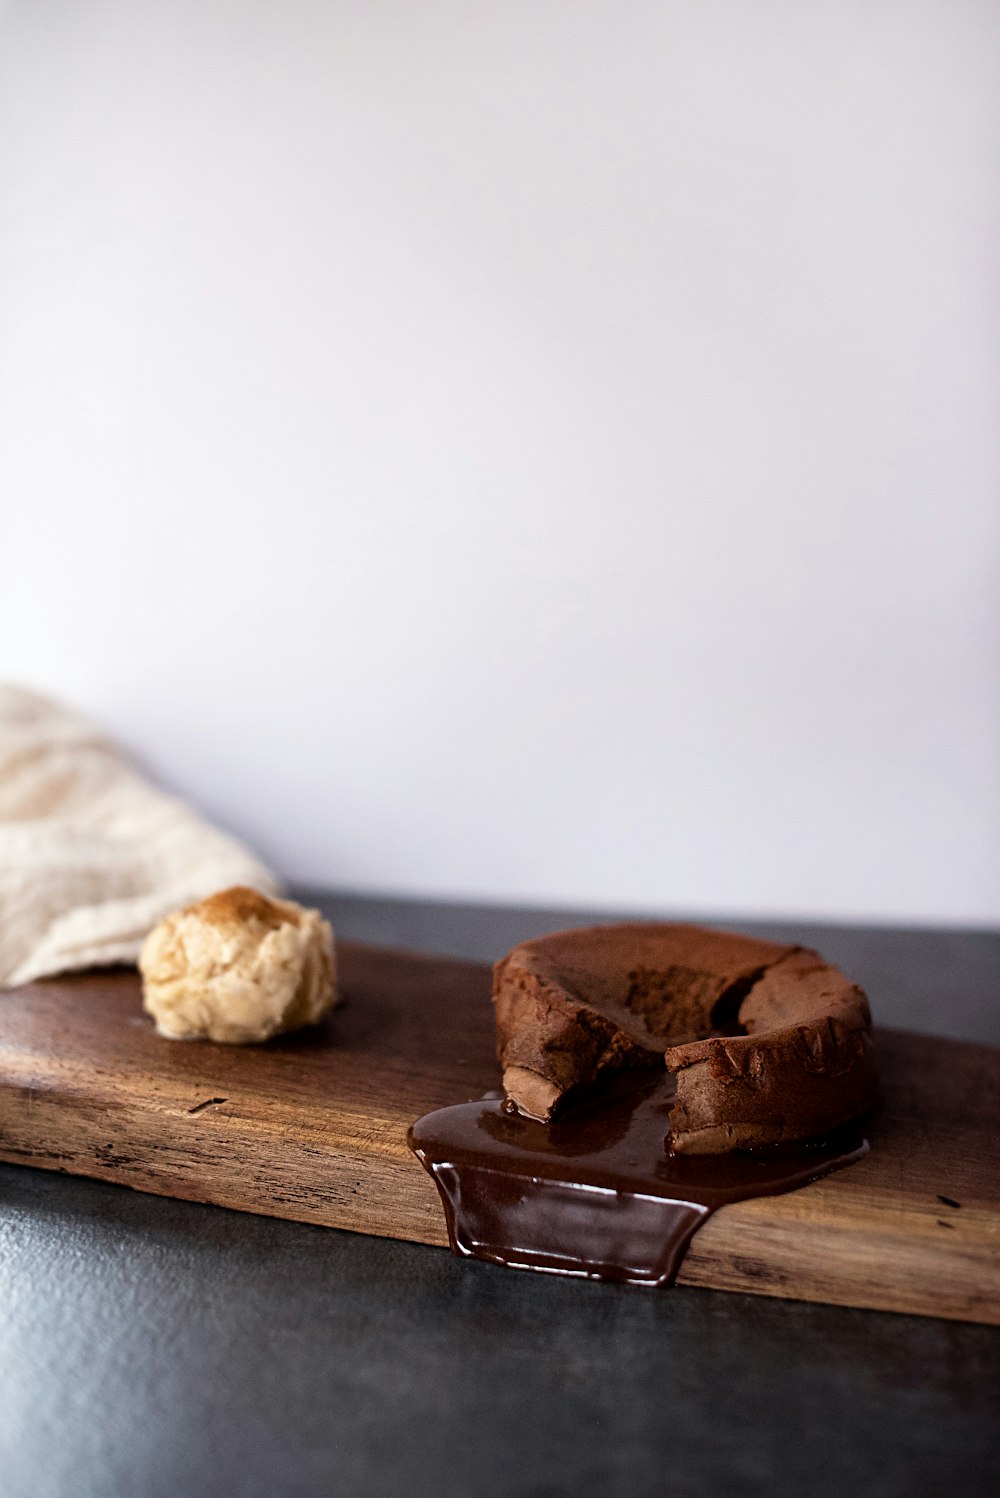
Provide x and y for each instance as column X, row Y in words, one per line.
column 91, row 854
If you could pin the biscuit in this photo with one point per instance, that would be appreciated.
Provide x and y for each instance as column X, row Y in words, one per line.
column 238, row 968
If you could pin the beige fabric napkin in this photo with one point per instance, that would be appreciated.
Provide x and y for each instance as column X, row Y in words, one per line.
column 91, row 854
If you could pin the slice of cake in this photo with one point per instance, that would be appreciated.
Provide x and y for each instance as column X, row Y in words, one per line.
column 577, row 1004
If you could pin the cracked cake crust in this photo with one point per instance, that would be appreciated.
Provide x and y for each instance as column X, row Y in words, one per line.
column 575, row 1005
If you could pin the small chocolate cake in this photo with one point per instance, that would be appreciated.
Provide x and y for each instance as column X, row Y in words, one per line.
column 768, row 1043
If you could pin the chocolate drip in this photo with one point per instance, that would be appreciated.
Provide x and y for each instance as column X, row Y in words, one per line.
column 596, row 1194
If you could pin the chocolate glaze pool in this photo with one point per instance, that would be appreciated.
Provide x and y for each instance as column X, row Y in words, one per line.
column 595, row 1193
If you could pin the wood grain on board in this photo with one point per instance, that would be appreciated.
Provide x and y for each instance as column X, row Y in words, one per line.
column 313, row 1127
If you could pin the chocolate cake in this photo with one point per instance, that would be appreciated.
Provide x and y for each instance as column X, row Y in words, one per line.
column 768, row 1043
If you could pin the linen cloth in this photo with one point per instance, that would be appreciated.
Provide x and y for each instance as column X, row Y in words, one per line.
column 91, row 854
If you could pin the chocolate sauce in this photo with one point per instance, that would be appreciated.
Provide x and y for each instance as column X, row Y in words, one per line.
column 595, row 1193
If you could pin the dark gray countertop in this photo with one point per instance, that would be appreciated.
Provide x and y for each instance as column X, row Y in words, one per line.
column 159, row 1349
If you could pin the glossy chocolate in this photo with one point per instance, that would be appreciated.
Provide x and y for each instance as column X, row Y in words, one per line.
column 595, row 1194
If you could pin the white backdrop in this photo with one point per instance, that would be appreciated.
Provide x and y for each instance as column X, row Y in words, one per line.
column 539, row 450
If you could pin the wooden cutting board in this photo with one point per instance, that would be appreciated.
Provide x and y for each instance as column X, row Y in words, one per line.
column 313, row 1127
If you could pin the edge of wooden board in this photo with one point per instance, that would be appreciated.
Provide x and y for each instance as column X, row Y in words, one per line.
column 316, row 1132
column 887, row 1258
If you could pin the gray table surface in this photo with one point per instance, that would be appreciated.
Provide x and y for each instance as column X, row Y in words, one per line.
column 159, row 1349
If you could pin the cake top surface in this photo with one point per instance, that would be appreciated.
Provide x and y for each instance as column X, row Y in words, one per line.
column 658, row 982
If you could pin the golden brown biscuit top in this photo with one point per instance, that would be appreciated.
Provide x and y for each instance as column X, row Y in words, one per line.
column 241, row 906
